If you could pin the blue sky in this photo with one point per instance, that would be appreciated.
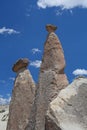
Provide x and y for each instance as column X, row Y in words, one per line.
column 22, row 34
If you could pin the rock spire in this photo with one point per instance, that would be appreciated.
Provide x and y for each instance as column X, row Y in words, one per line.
column 53, row 58
column 22, row 96
column 51, row 80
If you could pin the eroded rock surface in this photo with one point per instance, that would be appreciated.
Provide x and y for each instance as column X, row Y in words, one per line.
column 4, row 113
column 69, row 110
column 53, row 55
column 22, row 97
column 51, row 80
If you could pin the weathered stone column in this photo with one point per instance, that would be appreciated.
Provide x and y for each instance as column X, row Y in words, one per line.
column 51, row 80
column 22, row 96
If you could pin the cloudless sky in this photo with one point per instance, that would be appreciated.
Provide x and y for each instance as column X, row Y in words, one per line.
column 27, row 18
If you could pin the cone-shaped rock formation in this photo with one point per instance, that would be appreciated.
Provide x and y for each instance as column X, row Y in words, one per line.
column 22, row 96
column 53, row 58
column 51, row 80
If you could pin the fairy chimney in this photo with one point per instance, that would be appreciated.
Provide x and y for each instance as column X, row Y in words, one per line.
column 51, row 80
column 22, row 96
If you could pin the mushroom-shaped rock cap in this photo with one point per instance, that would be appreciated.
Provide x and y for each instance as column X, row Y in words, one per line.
column 21, row 63
column 51, row 28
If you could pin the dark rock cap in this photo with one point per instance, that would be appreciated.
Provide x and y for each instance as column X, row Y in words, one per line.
column 50, row 27
column 21, row 63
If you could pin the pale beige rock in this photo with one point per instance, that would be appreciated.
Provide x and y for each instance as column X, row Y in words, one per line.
column 51, row 80
column 69, row 110
column 22, row 99
column 4, row 112
column 53, row 55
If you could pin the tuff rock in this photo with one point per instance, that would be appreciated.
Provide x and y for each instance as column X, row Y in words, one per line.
column 22, row 96
column 69, row 110
column 4, row 112
column 51, row 80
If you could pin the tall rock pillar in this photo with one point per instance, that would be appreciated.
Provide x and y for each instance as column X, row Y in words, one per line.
column 51, row 80
column 22, row 96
